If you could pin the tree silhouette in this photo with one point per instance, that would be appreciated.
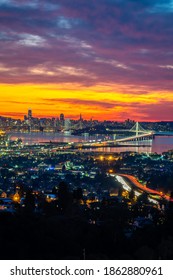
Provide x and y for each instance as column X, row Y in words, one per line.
column 78, row 194
column 131, row 195
column 29, row 202
column 143, row 198
column 64, row 197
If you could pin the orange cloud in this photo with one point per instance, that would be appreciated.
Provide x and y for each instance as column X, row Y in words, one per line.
column 112, row 102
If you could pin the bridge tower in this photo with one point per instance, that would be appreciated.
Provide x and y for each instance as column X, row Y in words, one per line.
column 137, row 129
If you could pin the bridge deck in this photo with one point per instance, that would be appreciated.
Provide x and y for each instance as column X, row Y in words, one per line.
column 135, row 137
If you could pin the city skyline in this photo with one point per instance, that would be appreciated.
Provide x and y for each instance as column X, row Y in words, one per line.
column 108, row 59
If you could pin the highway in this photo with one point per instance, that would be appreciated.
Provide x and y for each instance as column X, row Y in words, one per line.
column 148, row 134
column 144, row 188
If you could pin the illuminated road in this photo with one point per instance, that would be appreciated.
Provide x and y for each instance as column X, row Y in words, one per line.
column 134, row 181
column 150, row 134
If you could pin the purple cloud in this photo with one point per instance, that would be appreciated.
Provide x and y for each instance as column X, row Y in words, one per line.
column 121, row 42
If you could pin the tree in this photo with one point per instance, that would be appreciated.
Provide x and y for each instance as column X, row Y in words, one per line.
column 78, row 194
column 143, row 198
column 131, row 195
column 120, row 191
column 29, row 202
column 64, row 197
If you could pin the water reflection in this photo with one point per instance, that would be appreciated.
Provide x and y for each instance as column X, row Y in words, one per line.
column 158, row 145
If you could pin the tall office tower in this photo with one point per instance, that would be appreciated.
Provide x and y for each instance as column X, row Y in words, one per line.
column 62, row 119
column 80, row 122
column 29, row 114
column 67, row 124
column 81, row 119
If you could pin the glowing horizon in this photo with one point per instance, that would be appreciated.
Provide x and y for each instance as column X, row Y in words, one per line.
column 47, row 101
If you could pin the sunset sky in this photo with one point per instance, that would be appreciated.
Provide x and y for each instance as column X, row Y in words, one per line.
column 106, row 59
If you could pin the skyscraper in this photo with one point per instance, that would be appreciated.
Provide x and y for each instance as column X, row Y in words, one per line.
column 61, row 118
column 80, row 118
column 67, row 124
column 29, row 114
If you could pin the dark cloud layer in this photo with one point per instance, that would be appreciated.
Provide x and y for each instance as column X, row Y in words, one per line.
column 74, row 101
column 111, row 42
column 116, row 41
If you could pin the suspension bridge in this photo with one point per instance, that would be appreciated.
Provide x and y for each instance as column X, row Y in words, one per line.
column 139, row 134
column 142, row 134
